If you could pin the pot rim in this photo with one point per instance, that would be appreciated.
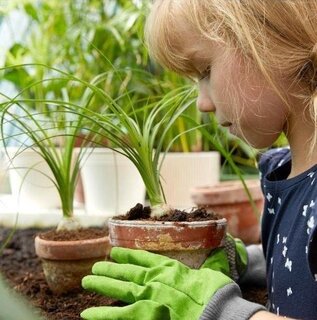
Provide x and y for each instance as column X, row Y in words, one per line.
column 72, row 242
column 64, row 250
column 226, row 192
column 167, row 224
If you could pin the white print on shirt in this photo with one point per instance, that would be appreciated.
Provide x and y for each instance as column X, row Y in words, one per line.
column 289, row 291
column 315, row 276
column 269, row 197
column 271, row 260
column 306, row 249
column 281, row 162
column 304, row 210
column 278, row 311
column 310, row 174
column 288, row 264
column 312, row 182
column 278, row 238
column 284, row 240
column 284, row 251
column 310, row 224
column 279, row 200
column 312, row 204
column 271, row 210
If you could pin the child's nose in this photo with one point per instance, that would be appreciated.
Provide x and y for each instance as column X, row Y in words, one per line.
column 204, row 101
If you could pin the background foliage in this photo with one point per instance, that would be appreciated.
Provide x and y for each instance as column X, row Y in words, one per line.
column 89, row 37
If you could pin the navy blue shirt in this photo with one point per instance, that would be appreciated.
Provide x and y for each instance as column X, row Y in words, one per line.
column 289, row 236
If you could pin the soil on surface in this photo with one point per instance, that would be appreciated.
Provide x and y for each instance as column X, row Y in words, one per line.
column 21, row 267
column 140, row 212
column 66, row 235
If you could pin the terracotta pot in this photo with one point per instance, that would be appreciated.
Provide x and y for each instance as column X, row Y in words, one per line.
column 65, row 263
column 188, row 242
column 230, row 200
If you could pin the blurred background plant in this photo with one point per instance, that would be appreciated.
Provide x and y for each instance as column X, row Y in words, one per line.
column 83, row 37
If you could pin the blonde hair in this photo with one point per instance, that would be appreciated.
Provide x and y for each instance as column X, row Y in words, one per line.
column 278, row 37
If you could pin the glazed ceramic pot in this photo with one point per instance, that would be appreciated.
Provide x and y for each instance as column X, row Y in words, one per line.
column 188, row 242
column 229, row 199
column 65, row 263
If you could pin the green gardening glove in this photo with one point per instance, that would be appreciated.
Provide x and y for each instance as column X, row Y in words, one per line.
column 244, row 264
column 160, row 288
column 231, row 259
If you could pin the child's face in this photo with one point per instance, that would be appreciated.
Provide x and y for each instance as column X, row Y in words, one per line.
column 238, row 95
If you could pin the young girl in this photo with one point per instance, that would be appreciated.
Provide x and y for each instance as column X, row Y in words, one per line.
column 255, row 62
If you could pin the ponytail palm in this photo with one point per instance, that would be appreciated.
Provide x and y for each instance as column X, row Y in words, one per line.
column 141, row 141
column 53, row 135
column 137, row 134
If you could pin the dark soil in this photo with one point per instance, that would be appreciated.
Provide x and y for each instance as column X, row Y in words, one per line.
column 139, row 212
column 22, row 268
column 81, row 234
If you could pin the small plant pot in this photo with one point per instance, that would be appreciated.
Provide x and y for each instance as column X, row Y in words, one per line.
column 229, row 200
column 188, row 242
column 65, row 263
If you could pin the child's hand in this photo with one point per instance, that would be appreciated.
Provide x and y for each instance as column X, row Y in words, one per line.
column 245, row 265
column 160, row 288
column 231, row 259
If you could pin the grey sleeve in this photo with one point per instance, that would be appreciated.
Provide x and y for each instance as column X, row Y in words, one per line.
column 256, row 269
column 227, row 304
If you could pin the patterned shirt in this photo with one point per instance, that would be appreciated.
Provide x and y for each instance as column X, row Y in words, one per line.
column 289, row 236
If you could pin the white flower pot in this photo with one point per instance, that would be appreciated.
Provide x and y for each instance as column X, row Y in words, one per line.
column 181, row 172
column 112, row 184
column 4, row 177
column 31, row 181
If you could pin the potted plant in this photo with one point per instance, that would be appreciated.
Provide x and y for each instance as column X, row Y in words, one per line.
column 68, row 252
column 189, row 236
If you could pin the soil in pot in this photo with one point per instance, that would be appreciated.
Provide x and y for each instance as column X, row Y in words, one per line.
column 22, row 268
column 140, row 212
column 72, row 235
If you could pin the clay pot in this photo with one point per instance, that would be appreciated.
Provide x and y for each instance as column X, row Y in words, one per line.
column 230, row 200
column 188, row 242
column 65, row 263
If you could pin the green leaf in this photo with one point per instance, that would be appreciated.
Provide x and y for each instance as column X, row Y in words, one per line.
column 31, row 11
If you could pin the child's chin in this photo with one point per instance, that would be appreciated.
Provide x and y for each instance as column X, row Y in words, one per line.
column 255, row 141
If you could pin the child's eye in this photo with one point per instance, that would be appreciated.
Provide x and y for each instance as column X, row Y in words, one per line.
column 205, row 74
